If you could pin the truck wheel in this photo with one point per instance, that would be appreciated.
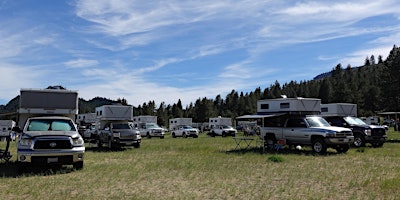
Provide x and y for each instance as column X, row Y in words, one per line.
column 342, row 148
column 173, row 135
column 136, row 145
column 319, row 146
column 184, row 135
column 269, row 141
column 377, row 144
column 161, row 137
column 78, row 165
column 223, row 134
column 148, row 135
column 359, row 140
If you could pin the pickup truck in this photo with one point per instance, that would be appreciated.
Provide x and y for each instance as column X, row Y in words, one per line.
column 363, row 133
column 312, row 131
column 150, row 130
column 50, row 140
column 116, row 134
column 184, row 131
column 223, row 130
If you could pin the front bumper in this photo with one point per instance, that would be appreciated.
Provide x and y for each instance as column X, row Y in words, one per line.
column 62, row 156
column 340, row 141
column 369, row 139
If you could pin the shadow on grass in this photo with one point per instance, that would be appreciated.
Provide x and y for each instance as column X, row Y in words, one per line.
column 12, row 170
column 282, row 151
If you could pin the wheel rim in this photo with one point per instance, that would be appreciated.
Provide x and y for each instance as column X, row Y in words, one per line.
column 357, row 141
column 317, row 147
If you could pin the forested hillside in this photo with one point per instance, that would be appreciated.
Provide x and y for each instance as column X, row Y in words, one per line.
column 374, row 87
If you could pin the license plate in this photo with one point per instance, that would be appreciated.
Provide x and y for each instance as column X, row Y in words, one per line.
column 52, row 160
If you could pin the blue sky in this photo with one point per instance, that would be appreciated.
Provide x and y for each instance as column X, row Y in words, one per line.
column 174, row 49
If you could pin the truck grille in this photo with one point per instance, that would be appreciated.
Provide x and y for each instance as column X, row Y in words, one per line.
column 53, row 144
column 344, row 134
column 44, row 159
column 378, row 132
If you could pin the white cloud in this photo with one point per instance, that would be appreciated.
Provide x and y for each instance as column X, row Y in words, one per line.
column 81, row 63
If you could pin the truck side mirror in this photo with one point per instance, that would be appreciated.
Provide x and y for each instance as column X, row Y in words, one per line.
column 17, row 129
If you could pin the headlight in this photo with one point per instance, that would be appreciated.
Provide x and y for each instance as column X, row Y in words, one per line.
column 368, row 132
column 331, row 134
column 26, row 142
column 77, row 141
column 116, row 134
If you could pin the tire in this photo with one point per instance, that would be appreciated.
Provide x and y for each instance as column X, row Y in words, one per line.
column 148, row 135
column 359, row 140
column 377, row 144
column 269, row 141
column 161, row 137
column 110, row 144
column 195, row 136
column 223, row 134
column 184, row 135
column 136, row 145
column 342, row 148
column 173, row 135
column 78, row 165
column 319, row 146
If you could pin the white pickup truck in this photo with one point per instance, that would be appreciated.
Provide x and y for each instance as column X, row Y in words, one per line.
column 223, row 130
column 50, row 140
column 311, row 131
column 184, row 131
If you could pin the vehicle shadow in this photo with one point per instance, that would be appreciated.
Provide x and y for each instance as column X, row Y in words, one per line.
column 11, row 170
column 283, row 151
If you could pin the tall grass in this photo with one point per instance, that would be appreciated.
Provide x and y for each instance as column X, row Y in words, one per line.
column 210, row 168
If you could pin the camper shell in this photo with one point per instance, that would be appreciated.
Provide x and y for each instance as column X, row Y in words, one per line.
column 296, row 121
column 345, row 115
column 148, row 127
column 114, row 127
column 60, row 143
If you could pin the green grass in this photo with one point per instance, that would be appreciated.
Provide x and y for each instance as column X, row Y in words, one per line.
column 210, row 168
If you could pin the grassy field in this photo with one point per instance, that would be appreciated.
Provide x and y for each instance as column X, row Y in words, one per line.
column 211, row 168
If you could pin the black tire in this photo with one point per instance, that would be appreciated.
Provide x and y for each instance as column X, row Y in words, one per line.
column 173, row 135
column 78, row 165
column 148, row 135
column 269, row 141
column 184, row 135
column 161, row 137
column 136, row 145
column 343, row 148
column 319, row 146
column 359, row 140
column 223, row 134
column 195, row 136
column 377, row 144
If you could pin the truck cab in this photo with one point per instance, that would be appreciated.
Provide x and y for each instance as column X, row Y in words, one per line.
column 363, row 133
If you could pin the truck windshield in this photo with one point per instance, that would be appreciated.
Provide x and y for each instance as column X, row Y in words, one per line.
column 152, row 125
column 121, row 126
column 50, row 125
column 317, row 122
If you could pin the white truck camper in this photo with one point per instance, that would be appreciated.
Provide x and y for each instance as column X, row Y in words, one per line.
column 148, row 126
column 49, row 134
column 174, row 122
column 339, row 109
column 114, row 127
column 296, row 121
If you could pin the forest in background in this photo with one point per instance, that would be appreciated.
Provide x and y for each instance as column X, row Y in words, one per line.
column 374, row 87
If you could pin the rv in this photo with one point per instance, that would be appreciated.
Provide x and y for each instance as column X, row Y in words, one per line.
column 148, row 126
column 296, row 121
column 173, row 123
column 49, row 134
column 114, row 127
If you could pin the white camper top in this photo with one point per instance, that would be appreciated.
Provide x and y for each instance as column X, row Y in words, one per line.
column 114, row 113
column 339, row 109
column 86, row 118
column 179, row 121
column 145, row 119
column 282, row 105
column 220, row 121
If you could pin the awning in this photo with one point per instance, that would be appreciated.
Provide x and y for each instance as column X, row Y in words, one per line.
column 259, row 116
